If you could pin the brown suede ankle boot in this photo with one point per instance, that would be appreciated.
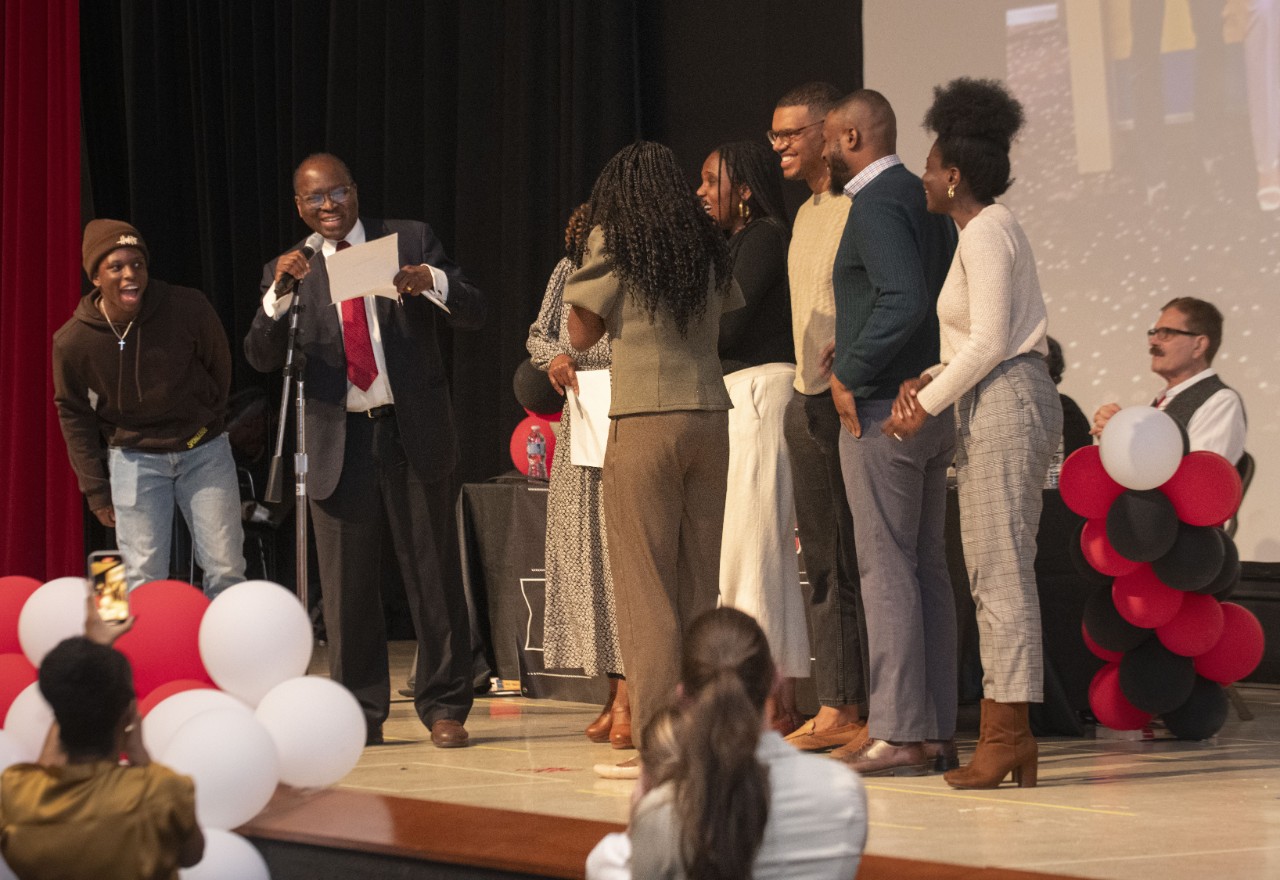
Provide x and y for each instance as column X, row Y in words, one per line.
column 1005, row 744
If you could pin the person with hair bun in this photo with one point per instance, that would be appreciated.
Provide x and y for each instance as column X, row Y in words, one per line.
column 993, row 325
column 735, row 801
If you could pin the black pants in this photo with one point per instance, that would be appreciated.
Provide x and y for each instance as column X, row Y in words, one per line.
column 812, row 431
column 380, row 495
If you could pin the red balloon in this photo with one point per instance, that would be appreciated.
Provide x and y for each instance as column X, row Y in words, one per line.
column 15, row 590
column 1085, row 485
column 533, row 445
column 164, row 644
column 1144, row 600
column 1205, row 490
column 153, row 699
column 1195, row 629
column 16, row 675
column 1109, row 704
column 1098, row 651
column 1238, row 652
column 1098, row 551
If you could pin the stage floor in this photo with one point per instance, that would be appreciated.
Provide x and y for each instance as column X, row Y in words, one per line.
column 1117, row 810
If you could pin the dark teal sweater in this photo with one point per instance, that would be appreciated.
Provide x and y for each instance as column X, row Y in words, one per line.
column 889, row 268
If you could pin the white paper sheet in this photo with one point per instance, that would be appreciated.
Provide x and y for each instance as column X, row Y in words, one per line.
column 364, row 270
column 589, row 418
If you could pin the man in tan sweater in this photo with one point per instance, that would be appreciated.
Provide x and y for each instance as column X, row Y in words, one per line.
column 813, row 428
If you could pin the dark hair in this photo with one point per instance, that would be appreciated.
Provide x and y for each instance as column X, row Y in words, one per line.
column 975, row 121
column 89, row 686
column 1057, row 363
column 1203, row 318
column 817, row 96
column 752, row 164
column 663, row 245
column 321, row 157
column 722, row 791
column 576, row 232
column 879, row 122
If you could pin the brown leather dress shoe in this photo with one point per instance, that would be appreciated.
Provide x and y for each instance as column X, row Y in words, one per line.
column 807, row 739
column 449, row 734
column 882, row 758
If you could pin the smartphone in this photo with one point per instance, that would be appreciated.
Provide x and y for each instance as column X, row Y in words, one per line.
column 106, row 579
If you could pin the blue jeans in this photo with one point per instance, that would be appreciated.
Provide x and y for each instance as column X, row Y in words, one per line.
column 202, row 482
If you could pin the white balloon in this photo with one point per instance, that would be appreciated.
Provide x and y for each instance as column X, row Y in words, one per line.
column 168, row 715
column 254, row 636
column 233, row 761
column 6, row 873
column 1141, row 447
column 55, row 611
column 28, row 722
column 227, row 856
column 318, row 728
column 11, row 752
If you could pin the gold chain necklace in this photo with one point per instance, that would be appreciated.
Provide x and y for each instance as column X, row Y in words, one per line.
column 120, row 336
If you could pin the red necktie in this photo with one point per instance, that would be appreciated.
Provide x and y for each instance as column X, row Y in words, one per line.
column 362, row 369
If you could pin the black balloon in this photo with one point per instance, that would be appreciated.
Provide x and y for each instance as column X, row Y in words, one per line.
column 1105, row 626
column 533, row 390
column 1203, row 714
column 1194, row 561
column 1087, row 572
column 1142, row 526
column 1224, row 583
column 1154, row 679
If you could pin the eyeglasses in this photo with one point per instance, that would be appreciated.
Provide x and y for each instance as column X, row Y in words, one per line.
column 1164, row 334
column 787, row 135
column 338, row 196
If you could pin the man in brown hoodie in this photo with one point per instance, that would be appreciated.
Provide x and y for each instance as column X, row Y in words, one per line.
column 141, row 374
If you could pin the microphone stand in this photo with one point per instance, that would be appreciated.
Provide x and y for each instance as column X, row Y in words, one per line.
column 295, row 362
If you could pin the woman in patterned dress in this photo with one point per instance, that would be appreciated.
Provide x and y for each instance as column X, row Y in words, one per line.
column 580, row 625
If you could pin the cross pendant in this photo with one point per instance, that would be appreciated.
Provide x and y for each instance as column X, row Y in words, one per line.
column 122, row 345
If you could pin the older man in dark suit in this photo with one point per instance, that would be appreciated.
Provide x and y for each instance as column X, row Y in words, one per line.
column 381, row 445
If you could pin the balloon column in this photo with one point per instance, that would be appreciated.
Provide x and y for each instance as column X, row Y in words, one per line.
column 1153, row 542
column 222, row 690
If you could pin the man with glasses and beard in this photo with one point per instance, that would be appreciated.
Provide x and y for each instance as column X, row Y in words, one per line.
column 381, row 445
column 1182, row 345
column 812, row 428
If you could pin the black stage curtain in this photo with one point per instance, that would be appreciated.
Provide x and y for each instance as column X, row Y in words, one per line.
column 489, row 119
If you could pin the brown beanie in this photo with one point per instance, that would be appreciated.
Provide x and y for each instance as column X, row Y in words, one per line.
column 101, row 237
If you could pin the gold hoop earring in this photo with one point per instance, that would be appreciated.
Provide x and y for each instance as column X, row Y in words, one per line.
column 744, row 211
column 951, row 191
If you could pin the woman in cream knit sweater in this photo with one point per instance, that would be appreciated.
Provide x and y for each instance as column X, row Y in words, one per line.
column 1008, row 416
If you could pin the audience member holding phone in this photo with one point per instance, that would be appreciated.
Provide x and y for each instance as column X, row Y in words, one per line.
column 81, row 811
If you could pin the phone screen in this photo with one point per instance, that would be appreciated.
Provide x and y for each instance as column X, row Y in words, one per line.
column 110, row 592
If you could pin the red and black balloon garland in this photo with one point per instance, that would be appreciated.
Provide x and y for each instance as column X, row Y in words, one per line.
column 1163, row 567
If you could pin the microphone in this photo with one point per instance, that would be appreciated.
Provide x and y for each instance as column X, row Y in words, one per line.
column 287, row 282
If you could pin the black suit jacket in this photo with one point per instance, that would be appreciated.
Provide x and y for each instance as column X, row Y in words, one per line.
column 414, row 367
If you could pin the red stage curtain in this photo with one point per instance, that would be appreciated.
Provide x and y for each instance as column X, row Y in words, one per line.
column 41, row 524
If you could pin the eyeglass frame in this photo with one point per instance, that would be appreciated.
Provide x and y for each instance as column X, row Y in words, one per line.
column 311, row 202
column 1164, row 334
column 787, row 135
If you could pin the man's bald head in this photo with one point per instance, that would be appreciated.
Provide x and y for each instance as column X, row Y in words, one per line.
column 870, row 113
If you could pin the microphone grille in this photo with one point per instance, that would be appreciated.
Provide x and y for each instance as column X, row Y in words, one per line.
column 313, row 243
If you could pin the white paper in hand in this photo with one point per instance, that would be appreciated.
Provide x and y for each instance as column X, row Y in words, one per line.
column 589, row 418
column 365, row 270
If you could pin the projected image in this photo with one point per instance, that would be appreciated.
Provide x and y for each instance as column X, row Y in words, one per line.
column 1158, row 184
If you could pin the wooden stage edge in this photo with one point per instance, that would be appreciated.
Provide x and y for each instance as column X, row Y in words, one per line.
column 357, row 835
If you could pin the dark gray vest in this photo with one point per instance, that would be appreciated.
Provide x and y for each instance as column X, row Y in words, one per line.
column 1184, row 406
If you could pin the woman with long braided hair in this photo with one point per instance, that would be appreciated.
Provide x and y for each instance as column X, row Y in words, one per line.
column 656, row 274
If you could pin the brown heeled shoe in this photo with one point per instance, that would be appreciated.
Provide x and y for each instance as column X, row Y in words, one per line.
column 1005, row 745
column 598, row 730
column 620, row 726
